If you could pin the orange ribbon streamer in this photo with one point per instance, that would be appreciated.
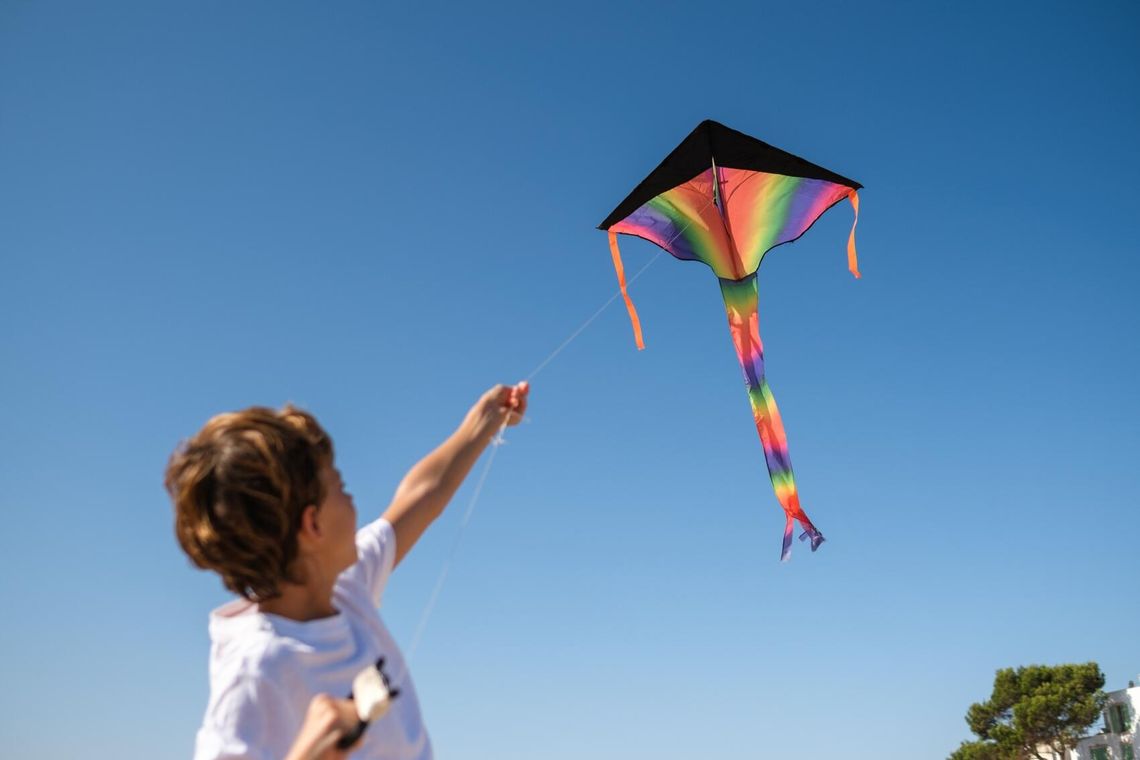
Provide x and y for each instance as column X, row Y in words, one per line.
column 852, row 259
column 620, row 269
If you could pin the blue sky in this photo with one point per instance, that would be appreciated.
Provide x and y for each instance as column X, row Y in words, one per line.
column 377, row 210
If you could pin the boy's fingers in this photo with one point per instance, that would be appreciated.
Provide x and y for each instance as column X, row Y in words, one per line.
column 347, row 713
column 523, row 391
column 510, row 400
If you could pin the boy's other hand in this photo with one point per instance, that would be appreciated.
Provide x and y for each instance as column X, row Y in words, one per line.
column 326, row 721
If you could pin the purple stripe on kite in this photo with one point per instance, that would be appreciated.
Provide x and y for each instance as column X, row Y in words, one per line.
column 803, row 208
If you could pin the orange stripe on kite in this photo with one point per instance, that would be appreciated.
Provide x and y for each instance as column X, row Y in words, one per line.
column 852, row 259
column 620, row 269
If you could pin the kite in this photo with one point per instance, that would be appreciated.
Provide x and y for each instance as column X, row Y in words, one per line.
column 726, row 199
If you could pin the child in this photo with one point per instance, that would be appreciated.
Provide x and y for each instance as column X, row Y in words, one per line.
column 258, row 500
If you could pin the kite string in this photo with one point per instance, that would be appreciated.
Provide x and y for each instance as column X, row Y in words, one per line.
column 588, row 322
column 495, row 444
column 615, row 296
column 426, row 614
column 498, row 441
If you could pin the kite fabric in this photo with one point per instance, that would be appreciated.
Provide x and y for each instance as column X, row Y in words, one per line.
column 726, row 199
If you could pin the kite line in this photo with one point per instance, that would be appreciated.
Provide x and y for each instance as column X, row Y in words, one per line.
column 498, row 441
column 495, row 444
column 490, row 459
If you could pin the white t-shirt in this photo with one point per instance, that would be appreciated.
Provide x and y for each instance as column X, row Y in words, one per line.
column 264, row 669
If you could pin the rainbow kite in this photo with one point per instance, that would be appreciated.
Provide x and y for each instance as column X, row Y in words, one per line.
column 726, row 199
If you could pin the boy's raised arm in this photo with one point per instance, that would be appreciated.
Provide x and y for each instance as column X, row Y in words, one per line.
column 428, row 487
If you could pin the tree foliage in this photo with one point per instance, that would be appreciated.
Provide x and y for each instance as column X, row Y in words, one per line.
column 1032, row 708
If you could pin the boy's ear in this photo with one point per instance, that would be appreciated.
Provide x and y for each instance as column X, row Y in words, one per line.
column 310, row 523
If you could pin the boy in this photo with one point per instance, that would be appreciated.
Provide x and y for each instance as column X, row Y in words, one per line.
column 258, row 500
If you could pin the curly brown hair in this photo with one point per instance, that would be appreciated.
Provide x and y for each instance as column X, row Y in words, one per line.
column 239, row 487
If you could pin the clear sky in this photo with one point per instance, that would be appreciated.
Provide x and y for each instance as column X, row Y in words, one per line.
column 377, row 210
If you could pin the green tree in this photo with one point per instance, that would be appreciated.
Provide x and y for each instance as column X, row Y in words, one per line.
column 1032, row 708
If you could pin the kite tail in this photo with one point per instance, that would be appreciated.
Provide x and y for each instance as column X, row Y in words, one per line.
column 619, row 268
column 810, row 532
column 741, row 301
column 852, row 256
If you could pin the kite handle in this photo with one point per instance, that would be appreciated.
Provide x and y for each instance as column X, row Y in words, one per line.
column 852, row 259
column 620, row 269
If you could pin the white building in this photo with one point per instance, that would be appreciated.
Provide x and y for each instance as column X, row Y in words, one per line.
column 1117, row 739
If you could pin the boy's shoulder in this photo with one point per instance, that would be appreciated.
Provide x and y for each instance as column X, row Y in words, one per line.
column 245, row 645
column 254, row 696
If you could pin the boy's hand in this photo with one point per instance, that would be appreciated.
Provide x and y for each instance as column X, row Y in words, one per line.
column 501, row 404
column 326, row 721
